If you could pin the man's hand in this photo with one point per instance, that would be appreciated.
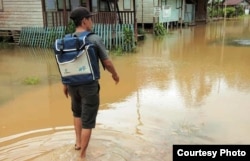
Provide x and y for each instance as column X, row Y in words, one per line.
column 116, row 78
column 65, row 91
column 110, row 67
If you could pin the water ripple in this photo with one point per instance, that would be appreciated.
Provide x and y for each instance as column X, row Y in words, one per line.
column 105, row 145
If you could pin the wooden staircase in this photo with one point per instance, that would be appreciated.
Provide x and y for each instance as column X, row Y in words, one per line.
column 15, row 34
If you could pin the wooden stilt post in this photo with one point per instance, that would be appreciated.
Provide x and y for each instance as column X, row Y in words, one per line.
column 64, row 13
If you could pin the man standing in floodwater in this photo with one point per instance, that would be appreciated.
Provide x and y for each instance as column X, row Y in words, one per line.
column 85, row 97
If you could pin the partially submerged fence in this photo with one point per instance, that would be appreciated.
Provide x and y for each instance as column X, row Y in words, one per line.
column 112, row 34
column 43, row 37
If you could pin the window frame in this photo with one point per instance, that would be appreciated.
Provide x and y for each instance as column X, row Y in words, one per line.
column 105, row 4
column 1, row 5
column 48, row 7
column 164, row 2
column 94, row 6
column 127, row 5
column 68, row 8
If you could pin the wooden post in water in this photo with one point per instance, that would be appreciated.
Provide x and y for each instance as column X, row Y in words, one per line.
column 135, row 22
column 45, row 21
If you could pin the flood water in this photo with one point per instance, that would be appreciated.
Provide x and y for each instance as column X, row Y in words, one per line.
column 190, row 87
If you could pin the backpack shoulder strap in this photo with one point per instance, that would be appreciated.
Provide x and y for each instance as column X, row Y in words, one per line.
column 68, row 35
column 86, row 34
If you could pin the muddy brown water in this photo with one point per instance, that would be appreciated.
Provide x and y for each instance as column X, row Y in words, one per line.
column 190, row 87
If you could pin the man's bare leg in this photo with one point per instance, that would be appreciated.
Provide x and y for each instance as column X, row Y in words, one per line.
column 86, row 133
column 78, row 130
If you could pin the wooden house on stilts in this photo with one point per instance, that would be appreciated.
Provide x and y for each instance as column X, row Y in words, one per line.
column 15, row 16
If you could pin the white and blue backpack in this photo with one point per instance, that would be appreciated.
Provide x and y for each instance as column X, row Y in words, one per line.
column 77, row 59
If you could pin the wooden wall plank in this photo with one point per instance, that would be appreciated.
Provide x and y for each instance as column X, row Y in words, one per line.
column 20, row 13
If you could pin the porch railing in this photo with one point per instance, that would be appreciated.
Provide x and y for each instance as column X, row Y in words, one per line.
column 105, row 18
column 55, row 18
column 121, row 17
column 61, row 18
column 127, row 17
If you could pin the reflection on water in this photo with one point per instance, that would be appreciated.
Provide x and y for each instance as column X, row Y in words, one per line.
column 189, row 87
column 242, row 42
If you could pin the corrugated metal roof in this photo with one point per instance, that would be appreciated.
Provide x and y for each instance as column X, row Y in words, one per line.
column 232, row 2
column 210, row 1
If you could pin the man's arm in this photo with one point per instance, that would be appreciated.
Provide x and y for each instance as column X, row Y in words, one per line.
column 102, row 53
column 65, row 90
column 110, row 67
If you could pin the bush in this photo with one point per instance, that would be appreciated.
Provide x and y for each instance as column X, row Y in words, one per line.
column 216, row 13
column 240, row 11
column 230, row 12
column 70, row 27
column 128, row 39
column 141, row 31
column 159, row 29
column 117, row 50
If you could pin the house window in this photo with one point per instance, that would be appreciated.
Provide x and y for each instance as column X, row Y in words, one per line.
column 163, row 2
column 1, row 5
column 57, row 5
column 104, row 6
column 127, row 5
column 83, row 3
column 60, row 5
column 75, row 4
column 94, row 5
column 50, row 5
column 101, row 5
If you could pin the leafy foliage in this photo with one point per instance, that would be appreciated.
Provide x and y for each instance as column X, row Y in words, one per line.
column 215, row 12
column 128, row 39
column 218, row 11
column 240, row 10
column 230, row 12
column 117, row 51
column 70, row 27
column 141, row 31
column 159, row 29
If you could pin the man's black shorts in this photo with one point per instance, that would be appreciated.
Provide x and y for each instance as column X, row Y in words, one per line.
column 85, row 103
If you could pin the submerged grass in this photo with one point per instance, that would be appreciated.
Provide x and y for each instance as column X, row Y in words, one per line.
column 31, row 80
